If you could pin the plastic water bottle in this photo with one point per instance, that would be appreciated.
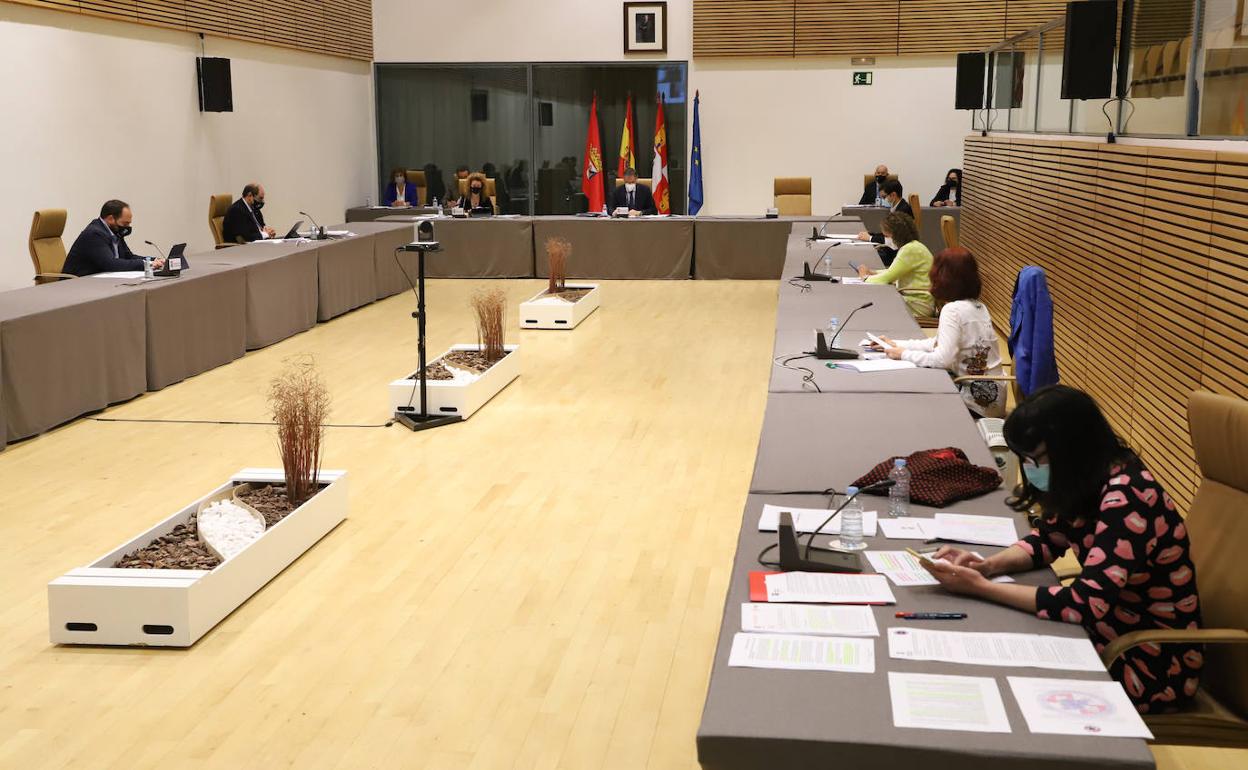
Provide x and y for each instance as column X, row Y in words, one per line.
column 851, row 524
column 147, row 268
column 829, row 333
column 368, row 201
column 899, row 493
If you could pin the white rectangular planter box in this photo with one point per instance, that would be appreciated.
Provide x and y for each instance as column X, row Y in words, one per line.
column 446, row 397
column 559, row 315
column 100, row 604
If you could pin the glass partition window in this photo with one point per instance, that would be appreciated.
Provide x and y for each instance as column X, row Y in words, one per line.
column 1224, row 98
column 525, row 127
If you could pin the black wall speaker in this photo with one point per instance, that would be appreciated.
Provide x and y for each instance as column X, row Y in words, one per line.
column 1088, row 61
column 480, row 106
column 546, row 113
column 970, row 89
column 216, row 91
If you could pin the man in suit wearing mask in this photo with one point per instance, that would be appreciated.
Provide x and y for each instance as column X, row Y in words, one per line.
column 101, row 246
column 891, row 197
column 243, row 222
column 635, row 197
column 873, row 193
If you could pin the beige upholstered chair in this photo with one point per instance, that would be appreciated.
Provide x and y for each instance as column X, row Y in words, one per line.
column 1218, row 527
column 792, row 195
column 417, row 177
column 217, row 206
column 869, row 178
column 490, row 189
column 619, row 182
column 949, row 231
column 47, row 250
column 917, row 207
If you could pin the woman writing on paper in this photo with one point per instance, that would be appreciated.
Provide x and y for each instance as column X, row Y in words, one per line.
column 1104, row 506
column 965, row 343
column 910, row 267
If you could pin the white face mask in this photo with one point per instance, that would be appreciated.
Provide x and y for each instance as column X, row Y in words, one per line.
column 889, row 243
column 399, row 180
column 630, row 186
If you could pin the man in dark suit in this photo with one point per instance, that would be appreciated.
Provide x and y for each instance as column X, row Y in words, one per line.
column 891, row 195
column 873, row 193
column 635, row 197
column 243, row 222
column 101, row 246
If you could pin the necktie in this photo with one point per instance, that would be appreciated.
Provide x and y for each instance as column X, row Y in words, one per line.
column 630, row 198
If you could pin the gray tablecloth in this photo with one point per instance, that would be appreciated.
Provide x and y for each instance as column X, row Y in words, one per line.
column 374, row 213
column 619, row 248
column 806, row 310
column 929, row 230
column 346, row 273
column 66, row 349
column 387, row 237
column 840, row 380
column 485, row 247
column 195, row 322
column 817, row 442
column 760, row 719
column 282, row 291
column 748, row 247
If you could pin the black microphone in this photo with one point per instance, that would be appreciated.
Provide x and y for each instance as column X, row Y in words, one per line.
column 884, row 484
column 319, row 232
column 817, row 232
column 811, row 559
column 158, row 249
column 841, row 328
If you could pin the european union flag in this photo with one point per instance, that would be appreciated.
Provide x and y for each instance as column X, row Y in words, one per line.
column 695, row 163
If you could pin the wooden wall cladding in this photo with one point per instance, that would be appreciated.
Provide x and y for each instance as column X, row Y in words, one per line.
column 789, row 28
column 335, row 27
column 1146, row 253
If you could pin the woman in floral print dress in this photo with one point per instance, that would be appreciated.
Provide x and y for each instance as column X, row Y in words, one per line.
column 1104, row 506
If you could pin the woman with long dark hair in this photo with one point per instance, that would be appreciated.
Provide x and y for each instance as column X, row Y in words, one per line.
column 1101, row 503
column 950, row 193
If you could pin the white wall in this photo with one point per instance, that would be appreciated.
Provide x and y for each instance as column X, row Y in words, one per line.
column 101, row 109
column 761, row 118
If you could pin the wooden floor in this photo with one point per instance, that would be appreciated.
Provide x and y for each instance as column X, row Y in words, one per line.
column 539, row 587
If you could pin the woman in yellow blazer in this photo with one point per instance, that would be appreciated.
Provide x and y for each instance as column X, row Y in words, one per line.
column 910, row 268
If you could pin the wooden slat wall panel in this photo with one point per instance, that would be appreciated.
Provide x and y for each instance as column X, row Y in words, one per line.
column 336, row 27
column 726, row 28
column 1160, row 21
column 846, row 27
column 1146, row 251
column 929, row 26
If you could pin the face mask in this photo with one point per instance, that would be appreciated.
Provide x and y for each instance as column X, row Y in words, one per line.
column 258, row 204
column 398, row 180
column 1037, row 476
column 880, row 179
column 889, row 243
column 952, row 183
column 476, row 190
column 630, row 186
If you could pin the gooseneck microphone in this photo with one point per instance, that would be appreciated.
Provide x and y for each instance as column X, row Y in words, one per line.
column 319, row 232
column 841, row 328
column 885, row 484
column 158, row 249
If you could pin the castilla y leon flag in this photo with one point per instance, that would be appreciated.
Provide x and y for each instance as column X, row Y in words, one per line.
column 658, row 173
column 628, row 149
column 591, row 182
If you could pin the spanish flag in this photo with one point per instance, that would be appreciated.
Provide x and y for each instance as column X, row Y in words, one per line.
column 658, row 172
column 591, row 181
column 628, row 150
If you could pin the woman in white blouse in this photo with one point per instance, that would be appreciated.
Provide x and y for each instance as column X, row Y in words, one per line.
column 965, row 343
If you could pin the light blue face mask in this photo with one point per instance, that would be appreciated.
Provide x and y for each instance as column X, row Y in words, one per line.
column 1037, row 476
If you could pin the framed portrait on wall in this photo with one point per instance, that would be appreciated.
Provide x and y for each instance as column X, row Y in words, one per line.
column 645, row 27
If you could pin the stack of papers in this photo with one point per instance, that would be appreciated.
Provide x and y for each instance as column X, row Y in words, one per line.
column 875, row 365
column 819, row 620
column 979, row 530
column 806, row 519
column 937, row 702
column 828, row 588
column 904, row 570
column 994, row 649
column 807, row 653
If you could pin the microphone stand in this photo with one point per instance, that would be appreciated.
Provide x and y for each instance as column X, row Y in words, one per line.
column 793, row 558
column 841, row 328
column 318, row 232
column 423, row 420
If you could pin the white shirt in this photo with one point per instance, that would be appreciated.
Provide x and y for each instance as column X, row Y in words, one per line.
column 116, row 254
column 965, row 344
column 264, row 236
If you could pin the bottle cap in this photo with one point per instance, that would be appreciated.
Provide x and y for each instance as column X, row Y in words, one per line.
column 899, row 463
column 850, row 491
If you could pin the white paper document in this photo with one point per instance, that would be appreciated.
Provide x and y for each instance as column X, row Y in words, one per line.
column 875, row 365
column 901, row 568
column 828, row 588
column 993, row 649
column 808, row 653
column 847, row 281
column 980, row 530
column 820, row 620
column 908, row 528
column 806, row 519
column 119, row 274
column 936, row 702
column 839, row 237
column 1073, row 707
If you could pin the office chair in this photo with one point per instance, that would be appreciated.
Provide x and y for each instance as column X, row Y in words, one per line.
column 47, row 250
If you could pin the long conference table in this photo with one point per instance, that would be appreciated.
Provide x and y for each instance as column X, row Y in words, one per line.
column 77, row 346
column 770, row 719
column 677, row 247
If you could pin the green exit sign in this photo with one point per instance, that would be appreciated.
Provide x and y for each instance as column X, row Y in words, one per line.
column 862, row 78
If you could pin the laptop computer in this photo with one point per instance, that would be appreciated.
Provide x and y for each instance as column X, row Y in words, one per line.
column 294, row 230
column 175, row 263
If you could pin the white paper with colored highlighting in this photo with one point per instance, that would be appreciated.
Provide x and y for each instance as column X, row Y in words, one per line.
column 816, row 619
column 806, row 653
column 994, row 649
column 828, row 588
column 938, row 702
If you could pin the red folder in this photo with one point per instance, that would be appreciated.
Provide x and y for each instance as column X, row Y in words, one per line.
column 758, row 585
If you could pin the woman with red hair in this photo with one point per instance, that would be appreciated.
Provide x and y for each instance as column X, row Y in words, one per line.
column 965, row 342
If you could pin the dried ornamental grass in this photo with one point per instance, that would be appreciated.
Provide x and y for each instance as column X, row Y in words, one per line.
column 300, row 405
column 557, row 252
column 490, row 306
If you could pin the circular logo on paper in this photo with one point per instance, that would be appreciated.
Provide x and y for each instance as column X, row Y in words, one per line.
column 1077, row 703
